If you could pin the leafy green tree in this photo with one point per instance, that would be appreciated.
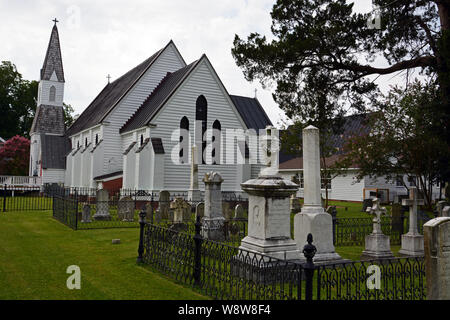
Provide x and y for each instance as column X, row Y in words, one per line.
column 322, row 45
column 69, row 117
column 403, row 140
column 17, row 102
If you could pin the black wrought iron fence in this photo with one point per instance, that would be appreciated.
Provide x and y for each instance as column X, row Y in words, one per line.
column 23, row 198
column 229, row 272
column 65, row 211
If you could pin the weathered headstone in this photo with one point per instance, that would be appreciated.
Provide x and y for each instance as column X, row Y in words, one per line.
column 377, row 244
column 437, row 258
column 125, row 209
column 227, row 211
column 446, row 211
column 239, row 212
column 213, row 220
column 269, row 223
column 86, row 215
column 187, row 212
column 313, row 219
column 440, row 207
column 194, row 193
column 164, row 204
column 148, row 210
column 102, row 206
column 412, row 242
column 179, row 209
column 200, row 210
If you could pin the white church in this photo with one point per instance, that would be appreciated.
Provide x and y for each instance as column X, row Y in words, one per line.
column 139, row 131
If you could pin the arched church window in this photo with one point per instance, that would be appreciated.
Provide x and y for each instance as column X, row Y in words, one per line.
column 96, row 139
column 85, row 142
column 201, row 112
column 216, row 140
column 52, row 94
column 78, row 144
column 142, row 139
column 184, row 140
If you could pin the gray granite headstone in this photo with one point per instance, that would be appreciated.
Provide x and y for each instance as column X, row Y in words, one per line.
column 125, row 209
column 180, row 208
column 227, row 212
column 102, row 205
column 200, row 210
column 396, row 221
column 164, row 204
column 437, row 258
column 86, row 215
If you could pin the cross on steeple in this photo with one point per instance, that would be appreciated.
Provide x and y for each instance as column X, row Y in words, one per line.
column 55, row 21
column 109, row 78
column 413, row 202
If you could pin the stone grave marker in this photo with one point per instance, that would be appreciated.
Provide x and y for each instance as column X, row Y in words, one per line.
column 179, row 207
column 102, row 206
column 213, row 220
column 86, row 214
column 377, row 244
column 125, row 209
column 164, row 204
column 412, row 242
column 239, row 212
column 200, row 210
column 227, row 212
column 437, row 258
column 397, row 221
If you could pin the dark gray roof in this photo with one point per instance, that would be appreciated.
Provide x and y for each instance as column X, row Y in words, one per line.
column 110, row 96
column 54, row 150
column 53, row 59
column 109, row 175
column 354, row 124
column 158, row 146
column 251, row 112
column 48, row 119
column 157, row 98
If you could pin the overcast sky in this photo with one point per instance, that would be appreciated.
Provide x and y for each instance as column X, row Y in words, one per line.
column 112, row 36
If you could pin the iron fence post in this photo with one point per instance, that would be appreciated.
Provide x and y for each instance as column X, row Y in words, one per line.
column 198, row 239
column 4, row 199
column 140, row 258
column 309, row 250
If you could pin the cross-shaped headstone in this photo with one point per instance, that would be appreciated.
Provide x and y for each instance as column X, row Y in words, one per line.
column 377, row 211
column 413, row 202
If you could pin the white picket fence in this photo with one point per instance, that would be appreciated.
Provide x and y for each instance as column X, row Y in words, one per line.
column 20, row 181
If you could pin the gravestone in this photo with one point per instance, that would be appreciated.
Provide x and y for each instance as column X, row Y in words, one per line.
column 158, row 217
column 239, row 212
column 148, row 210
column 437, row 258
column 313, row 218
column 440, row 207
column 86, row 214
column 194, row 193
column 179, row 207
column 367, row 203
column 227, row 211
column 164, row 204
column 412, row 242
column 377, row 244
column 446, row 212
column 102, row 206
column 269, row 222
column 187, row 212
column 397, row 221
column 125, row 209
column 200, row 210
column 213, row 220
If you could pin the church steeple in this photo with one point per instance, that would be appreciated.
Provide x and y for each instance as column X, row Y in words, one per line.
column 53, row 60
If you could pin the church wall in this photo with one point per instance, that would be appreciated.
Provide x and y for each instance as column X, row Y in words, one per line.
column 201, row 81
column 169, row 61
column 35, row 146
column 53, row 176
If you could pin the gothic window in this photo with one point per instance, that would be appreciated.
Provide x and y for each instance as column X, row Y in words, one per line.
column 184, row 140
column 142, row 139
column 216, row 139
column 52, row 94
column 201, row 111
column 85, row 142
column 96, row 139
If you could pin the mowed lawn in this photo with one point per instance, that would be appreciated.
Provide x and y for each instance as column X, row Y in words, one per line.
column 35, row 251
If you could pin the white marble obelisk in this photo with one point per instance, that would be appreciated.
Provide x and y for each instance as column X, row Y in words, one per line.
column 194, row 193
column 312, row 218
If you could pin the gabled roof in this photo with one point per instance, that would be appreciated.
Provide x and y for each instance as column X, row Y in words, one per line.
column 251, row 112
column 54, row 150
column 157, row 98
column 48, row 119
column 53, row 59
column 111, row 95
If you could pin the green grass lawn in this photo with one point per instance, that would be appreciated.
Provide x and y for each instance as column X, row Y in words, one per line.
column 35, row 251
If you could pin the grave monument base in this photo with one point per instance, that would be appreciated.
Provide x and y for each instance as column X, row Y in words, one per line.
column 377, row 247
column 412, row 245
column 280, row 248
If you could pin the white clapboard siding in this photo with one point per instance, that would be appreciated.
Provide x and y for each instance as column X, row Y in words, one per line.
column 168, row 61
column 53, row 176
column 201, row 81
column 346, row 188
column 44, row 93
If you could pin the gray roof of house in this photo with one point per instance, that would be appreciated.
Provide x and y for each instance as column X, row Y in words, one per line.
column 157, row 98
column 48, row 119
column 251, row 112
column 53, row 59
column 111, row 94
column 54, row 150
